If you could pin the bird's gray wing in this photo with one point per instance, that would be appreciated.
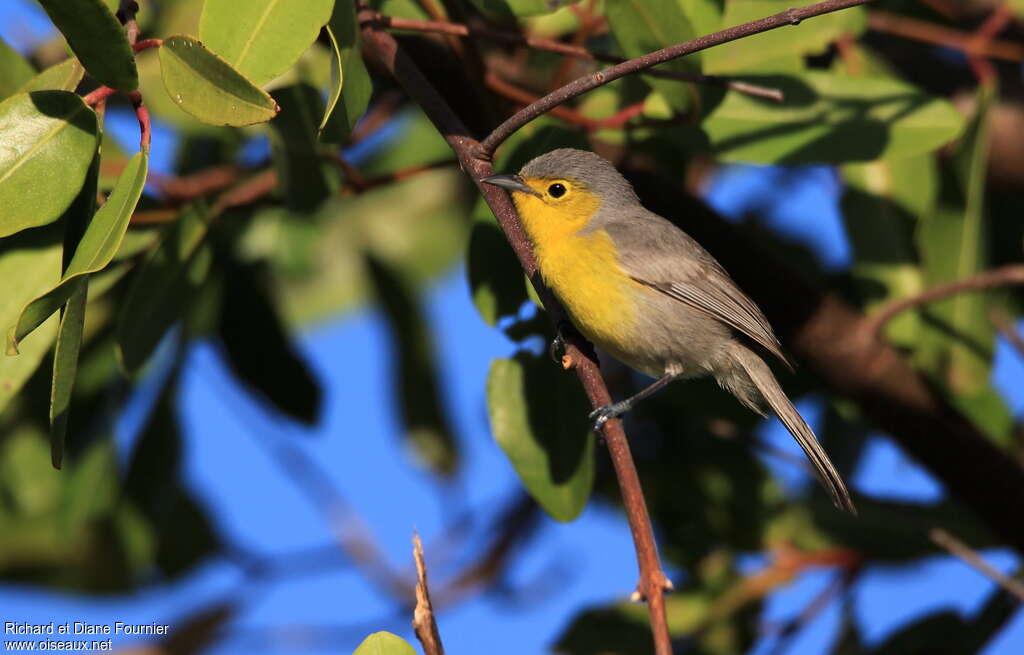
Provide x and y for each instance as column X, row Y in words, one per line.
column 656, row 253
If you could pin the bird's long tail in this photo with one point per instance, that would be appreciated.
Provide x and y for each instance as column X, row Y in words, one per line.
column 762, row 378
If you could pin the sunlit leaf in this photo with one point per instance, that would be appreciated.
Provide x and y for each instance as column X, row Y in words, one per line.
column 207, row 87
column 14, row 70
column 97, row 39
column 47, row 141
column 384, row 643
column 65, row 366
column 828, row 118
column 350, row 83
column 262, row 38
column 539, row 418
column 99, row 244
column 64, row 76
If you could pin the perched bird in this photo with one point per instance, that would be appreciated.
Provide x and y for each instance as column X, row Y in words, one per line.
column 645, row 292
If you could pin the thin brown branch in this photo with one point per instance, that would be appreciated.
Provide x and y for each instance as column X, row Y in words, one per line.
column 383, row 48
column 971, row 557
column 1005, row 325
column 512, row 92
column 126, row 12
column 147, row 44
column 569, row 50
column 1006, row 275
column 588, row 82
column 921, row 30
column 423, row 621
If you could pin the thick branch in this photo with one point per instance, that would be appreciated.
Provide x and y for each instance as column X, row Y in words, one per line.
column 383, row 48
column 1013, row 274
column 588, row 82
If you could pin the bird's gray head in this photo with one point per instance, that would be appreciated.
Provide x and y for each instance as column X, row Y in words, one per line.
column 584, row 169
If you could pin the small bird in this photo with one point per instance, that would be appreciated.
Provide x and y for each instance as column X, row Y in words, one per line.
column 645, row 292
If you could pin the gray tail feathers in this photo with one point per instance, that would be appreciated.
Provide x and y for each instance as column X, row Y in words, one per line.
column 759, row 373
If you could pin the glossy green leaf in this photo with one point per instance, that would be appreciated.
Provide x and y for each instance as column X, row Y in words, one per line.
column 426, row 423
column 782, row 49
column 99, row 244
column 258, row 348
column 30, row 263
column 207, row 87
column 262, row 38
column 14, row 70
column 539, row 418
column 640, row 26
column 351, row 86
column 881, row 207
column 295, row 149
column 48, row 139
column 64, row 76
column 97, row 39
column 65, row 366
column 164, row 287
column 828, row 118
column 384, row 643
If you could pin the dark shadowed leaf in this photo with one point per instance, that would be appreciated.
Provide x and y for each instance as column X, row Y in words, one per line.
column 49, row 138
column 262, row 38
column 65, row 366
column 97, row 39
column 164, row 287
column 539, row 418
column 293, row 139
column 207, row 87
column 417, row 383
column 99, row 244
column 259, row 349
column 350, row 83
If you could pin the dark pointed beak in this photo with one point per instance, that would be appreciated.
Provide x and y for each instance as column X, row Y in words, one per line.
column 510, row 182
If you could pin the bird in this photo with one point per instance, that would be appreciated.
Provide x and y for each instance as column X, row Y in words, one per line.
column 646, row 293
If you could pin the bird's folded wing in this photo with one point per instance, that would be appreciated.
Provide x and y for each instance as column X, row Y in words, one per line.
column 677, row 266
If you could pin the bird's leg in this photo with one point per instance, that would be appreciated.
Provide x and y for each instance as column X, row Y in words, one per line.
column 602, row 414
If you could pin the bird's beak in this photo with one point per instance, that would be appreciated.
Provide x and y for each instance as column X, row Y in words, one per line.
column 510, row 182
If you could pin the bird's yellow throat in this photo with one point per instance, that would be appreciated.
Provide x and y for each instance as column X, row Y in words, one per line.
column 582, row 269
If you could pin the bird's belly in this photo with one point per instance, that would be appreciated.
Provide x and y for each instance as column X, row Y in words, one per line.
column 600, row 298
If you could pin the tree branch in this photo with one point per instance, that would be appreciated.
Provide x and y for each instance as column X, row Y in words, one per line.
column 588, row 82
column 975, row 560
column 423, row 621
column 383, row 48
column 924, row 31
column 1006, row 275
column 568, row 50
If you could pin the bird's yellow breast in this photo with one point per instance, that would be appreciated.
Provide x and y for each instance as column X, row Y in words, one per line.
column 583, row 270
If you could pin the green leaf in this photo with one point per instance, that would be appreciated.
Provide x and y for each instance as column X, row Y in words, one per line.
column 14, row 70
column 49, row 138
column 258, row 348
column 65, row 366
column 881, row 206
column 384, row 643
column 262, row 38
column 828, row 118
column 539, row 418
column 30, row 263
column 64, row 76
column 296, row 151
column 164, row 287
column 641, row 26
column 207, row 87
column 510, row 9
column 782, row 49
column 415, row 370
column 351, row 86
column 98, row 246
column 97, row 39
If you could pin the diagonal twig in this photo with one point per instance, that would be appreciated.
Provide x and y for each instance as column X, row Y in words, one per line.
column 423, row 621
column 971, row 556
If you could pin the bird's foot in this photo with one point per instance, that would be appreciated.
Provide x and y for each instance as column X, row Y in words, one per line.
column 558, row 345
column 601, row 415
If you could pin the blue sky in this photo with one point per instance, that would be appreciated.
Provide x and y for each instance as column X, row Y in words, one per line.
column 228, row 467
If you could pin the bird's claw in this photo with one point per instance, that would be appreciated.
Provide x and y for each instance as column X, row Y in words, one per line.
column 556, row 349
column 600, row 416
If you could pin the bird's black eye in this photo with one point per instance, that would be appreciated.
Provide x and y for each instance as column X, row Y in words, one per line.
column 556, row 190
